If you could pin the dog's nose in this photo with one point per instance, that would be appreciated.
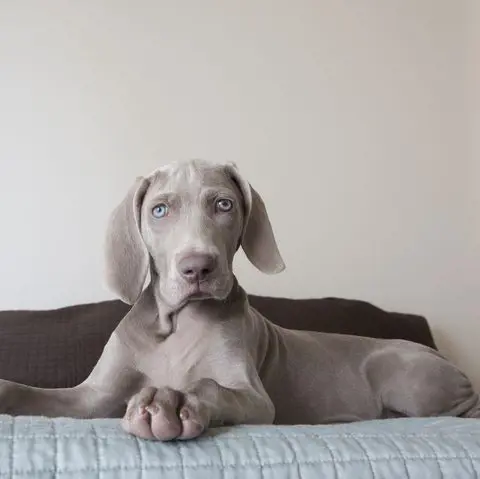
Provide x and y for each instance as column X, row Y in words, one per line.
column 196, row 267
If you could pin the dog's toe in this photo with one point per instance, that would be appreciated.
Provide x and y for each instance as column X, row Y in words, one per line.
column 194, row 418
column 137, row 422
column 165, row 423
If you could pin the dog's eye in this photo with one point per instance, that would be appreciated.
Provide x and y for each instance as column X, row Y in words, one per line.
column 224, row 205
column 160, row 210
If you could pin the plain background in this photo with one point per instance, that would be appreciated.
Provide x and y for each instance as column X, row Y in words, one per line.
column 355, row 120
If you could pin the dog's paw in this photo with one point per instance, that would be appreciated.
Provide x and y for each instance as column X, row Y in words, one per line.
column 164, row 414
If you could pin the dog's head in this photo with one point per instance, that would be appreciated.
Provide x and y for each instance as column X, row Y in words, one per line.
column 186, row 222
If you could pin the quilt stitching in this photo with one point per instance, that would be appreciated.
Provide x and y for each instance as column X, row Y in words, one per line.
column 295, row 454
column 12, row 447
column 138, row 450
column 402, row 454
column 260, row 462
column 440, row 468
column 182, row 461
column 372, row 471
column 456, row 441
column 220, row 453
column 97, row 449
column 227, row 436
column 55, row 450
column 332, row 456
column 245, row 465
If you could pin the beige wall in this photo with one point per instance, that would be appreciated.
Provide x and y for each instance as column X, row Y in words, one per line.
column 351, row 117
column 473, row 69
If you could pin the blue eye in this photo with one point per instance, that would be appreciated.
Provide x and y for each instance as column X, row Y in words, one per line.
column 160, row 210
column 224, row 205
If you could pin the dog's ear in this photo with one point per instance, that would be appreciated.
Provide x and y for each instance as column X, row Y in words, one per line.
column 126, row 256
column 258, row 240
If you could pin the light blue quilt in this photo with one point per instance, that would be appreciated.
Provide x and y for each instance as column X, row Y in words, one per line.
column 416, row 448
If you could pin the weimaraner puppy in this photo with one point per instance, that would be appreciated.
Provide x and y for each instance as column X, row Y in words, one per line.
column 192, row 352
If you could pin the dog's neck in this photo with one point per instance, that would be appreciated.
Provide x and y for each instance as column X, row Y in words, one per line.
column 169, row 316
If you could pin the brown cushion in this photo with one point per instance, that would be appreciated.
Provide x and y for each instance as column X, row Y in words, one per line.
column 345, row 316
column 59, row 348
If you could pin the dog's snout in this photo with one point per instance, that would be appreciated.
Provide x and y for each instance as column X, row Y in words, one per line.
column 197, row 267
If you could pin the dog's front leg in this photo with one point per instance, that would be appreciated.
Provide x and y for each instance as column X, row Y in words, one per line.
column 222, row 405
column 166, row 414
column 82, row 401
column 103, row 394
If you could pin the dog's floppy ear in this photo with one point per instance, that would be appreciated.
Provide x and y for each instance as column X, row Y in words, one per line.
column 258, row 240
column 125, row 252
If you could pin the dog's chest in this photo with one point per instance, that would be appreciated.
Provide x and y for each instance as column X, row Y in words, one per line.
column 195, row 350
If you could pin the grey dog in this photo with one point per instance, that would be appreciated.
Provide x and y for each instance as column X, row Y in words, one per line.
column 192, row 353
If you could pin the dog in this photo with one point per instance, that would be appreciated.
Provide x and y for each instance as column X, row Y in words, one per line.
column 193, row 354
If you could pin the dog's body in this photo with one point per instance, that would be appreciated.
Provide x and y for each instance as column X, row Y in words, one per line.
column 192, row 352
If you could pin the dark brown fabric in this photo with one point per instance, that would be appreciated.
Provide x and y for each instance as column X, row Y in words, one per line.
column 345, row 316
column 59, row 348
